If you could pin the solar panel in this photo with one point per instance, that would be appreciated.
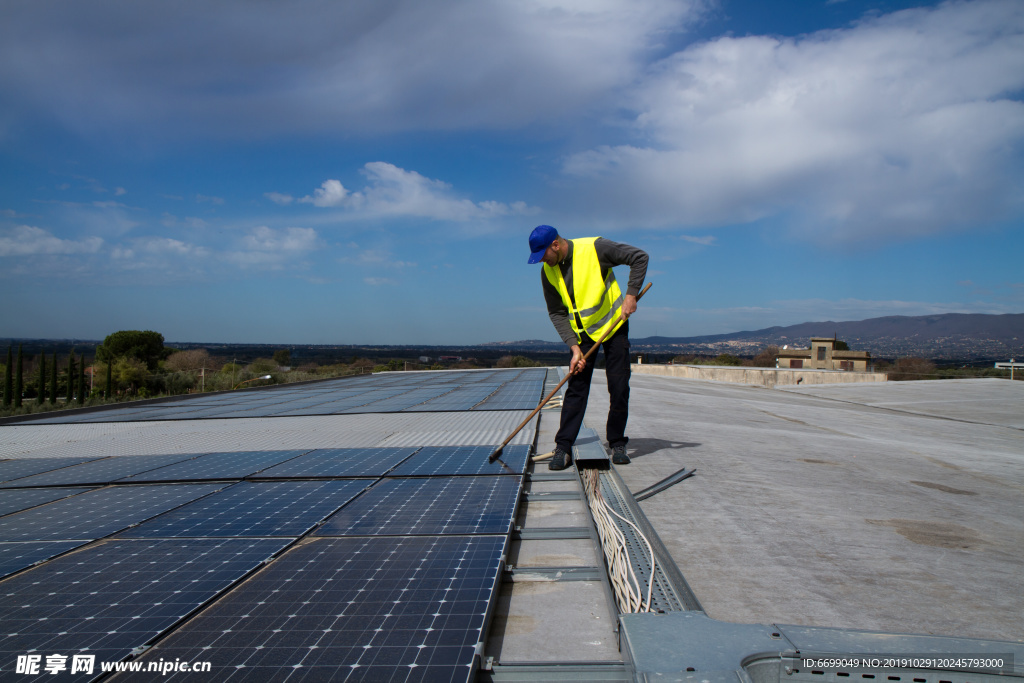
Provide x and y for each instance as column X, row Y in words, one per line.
column 384, row 392
column 97, row 513
column 452, row 505
column 16, row 501
column 216, row 466
column 518, row 395
column 340, row 462
column 400, row 401
column 454, row 460
column 366, row 609
column 17, row 556
column 111, row 598
column 463, row 398
column 16, row 469
column 98, row 471
column 285, row 508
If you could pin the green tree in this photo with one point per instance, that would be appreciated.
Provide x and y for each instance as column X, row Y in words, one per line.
column 41, row 393
column 71, row 378
column 727, row 359
column 912, row 368
column 146, row 346
column 19, row 379
column 8, row 378
column 283, row 357
column 53, row 380
column 842, row 346
column 516, row 362
column 81, row 379
column 262, row 366
column 130, row 372
column 767, row 357
column 110, row 381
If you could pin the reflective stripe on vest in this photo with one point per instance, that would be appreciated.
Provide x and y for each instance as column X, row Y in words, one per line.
column 598, row 302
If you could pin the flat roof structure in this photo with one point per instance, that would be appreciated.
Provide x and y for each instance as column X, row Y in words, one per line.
column 353, row 530
column 894, row 506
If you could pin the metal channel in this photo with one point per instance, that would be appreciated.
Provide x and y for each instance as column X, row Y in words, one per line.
column 544, row 574
column 670, row 593
column 555, row 673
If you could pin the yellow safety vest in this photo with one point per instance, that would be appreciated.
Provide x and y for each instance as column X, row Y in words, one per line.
column 598, row 302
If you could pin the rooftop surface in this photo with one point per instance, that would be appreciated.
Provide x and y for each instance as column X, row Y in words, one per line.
column 883, row 506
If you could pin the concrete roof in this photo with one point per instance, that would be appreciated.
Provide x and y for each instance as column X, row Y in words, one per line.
column 887, row 506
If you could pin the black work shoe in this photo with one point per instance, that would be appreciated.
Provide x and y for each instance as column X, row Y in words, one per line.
column 619, row 456
column 560, row 460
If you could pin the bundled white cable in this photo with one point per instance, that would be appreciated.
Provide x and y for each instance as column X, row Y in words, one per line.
column 625, row 584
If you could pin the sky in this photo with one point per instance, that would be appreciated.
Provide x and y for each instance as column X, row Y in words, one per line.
column 368, row 172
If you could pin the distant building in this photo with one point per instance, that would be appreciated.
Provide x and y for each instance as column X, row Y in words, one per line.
column 823, row 356
column 449, row 359
column 425, row 360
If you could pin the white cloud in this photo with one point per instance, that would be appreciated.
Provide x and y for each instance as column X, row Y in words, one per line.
column 27, row 240
column 394, row 191
column 905, row 124
column 703, row 240
column 238, row 69
column 376, row 258
column 166, row 245
column 330, row 193
column 202, row 198
column 268, row 248
column 378, row 281
column 278, row 198
column 118, row 191
column 287, row 240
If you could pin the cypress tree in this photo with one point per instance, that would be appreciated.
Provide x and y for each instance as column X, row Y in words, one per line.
column 41, row 385
column 110, row 378
column 53, row 380
column 71, row 378
column 8, row 378
column 19, row 379
column 81, row 379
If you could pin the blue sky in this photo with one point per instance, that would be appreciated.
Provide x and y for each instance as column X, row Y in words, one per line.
column 369, row 172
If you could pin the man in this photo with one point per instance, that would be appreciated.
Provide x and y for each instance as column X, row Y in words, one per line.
column 584, row 301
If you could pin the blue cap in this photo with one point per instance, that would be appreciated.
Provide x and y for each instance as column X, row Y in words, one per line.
column 540, row 239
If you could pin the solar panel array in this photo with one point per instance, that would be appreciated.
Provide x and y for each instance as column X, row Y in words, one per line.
column 513, row 389
column 339, row 561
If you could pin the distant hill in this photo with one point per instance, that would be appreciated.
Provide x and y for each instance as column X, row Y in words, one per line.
column 949, row 335
column 525, row 344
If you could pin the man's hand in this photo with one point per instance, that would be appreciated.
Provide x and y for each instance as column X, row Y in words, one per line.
column 577, row 364
column 628, row 306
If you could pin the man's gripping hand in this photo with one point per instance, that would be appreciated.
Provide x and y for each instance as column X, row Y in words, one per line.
column 628, row 306
column 577, row 364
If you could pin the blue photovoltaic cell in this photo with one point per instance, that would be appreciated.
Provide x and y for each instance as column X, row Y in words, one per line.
column 16, row 469
column 519, row 395
column 349, row 609
column 339, row 462
column 17, row 556
column 400, row 401
column 98, row 513
column 463, row 398
column 107, row 600
column 382, row 393
column 454, row 460
column 98, row 471
column 283, row 508
column 450, row 505
column 217, row 466
column 16, row 501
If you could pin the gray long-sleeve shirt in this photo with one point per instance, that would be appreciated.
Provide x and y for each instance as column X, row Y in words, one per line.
column 609, row 254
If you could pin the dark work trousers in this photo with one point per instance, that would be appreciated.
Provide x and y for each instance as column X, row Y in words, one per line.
column 616, row 356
